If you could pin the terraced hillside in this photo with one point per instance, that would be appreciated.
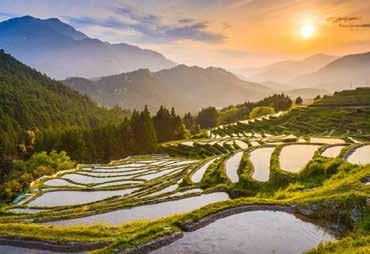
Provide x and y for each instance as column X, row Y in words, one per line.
column 317, row 121
column 159, row 197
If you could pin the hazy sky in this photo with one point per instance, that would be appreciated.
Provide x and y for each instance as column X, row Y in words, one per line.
column 227, row 33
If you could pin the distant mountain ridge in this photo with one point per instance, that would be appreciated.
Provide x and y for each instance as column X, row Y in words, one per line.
column 183, row 87
column 285, row 71
column 347, row 72
column 61, row 51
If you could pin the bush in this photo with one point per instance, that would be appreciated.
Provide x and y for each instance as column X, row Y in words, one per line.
column 261, row 111
column 24, row 172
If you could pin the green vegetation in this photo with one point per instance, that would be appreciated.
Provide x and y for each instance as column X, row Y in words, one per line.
column 279, row 102
column 319, row 122
column 357, row 97
column 261, row 111
column 40, row 114
column 334, row 115
column 331, row 198
column 207, row 118
column 169, row 126
column 24, row 172
column 29, row 99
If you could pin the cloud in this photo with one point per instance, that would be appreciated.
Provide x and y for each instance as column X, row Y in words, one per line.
column 135, row 16
column 364, row 25
column 7, row 14
column 348, row 22
column 150, row 27
column 186, row 21
column 345, row 19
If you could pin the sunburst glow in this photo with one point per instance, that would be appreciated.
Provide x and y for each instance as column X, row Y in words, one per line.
column 307, row 30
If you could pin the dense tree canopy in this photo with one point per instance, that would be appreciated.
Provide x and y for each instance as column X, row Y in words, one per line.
column 207, row 118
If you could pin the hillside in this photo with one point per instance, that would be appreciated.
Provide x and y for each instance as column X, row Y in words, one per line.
column 358, row 97
column 285, row 71
column 185, row 88
column 331, row 120
column 29, row 99
column 59, row 50
column 344, row 73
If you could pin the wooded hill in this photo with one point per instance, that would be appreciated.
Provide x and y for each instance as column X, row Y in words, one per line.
column 29, row 99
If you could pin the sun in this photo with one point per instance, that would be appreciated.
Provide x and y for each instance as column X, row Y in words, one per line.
column 307, row 30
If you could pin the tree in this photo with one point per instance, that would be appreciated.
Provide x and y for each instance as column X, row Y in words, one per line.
column 191, row 123
column 207, row 118
column 298, row 101
column 318, row 97
column 162, row 124
column 261, row 111
column 144, row 132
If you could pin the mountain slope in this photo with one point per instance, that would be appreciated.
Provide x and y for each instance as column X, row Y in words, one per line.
column 185, row 88
column 284, row 71
column 59, row 50
column 344, row 73
column 29, row 99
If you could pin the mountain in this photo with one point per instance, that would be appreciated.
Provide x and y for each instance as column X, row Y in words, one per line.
column 29, row 99
column 61, row 51
column 344, row 73
column 285, row 71
column 185, row 88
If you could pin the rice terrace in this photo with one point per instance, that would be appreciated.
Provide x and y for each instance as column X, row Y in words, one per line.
column 108, row 147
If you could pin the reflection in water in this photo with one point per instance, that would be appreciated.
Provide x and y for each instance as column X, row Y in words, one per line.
column 18, row 250
column 360, row 156
column 257, row 232
column 198, row 175
column 149, row 212
column 332, row 151
column 62, row 198
column 260, row 159
column 294, row 157
column 232, row 165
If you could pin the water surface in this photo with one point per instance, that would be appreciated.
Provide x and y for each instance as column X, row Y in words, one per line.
column 257, row 232
column 333, row 151
column 327, row 140
column 149, row 212
column 232, row 165
column 360, row 156
column 60, row 182
column 293, row 158
column 198, row 175
column 18, row 250
column 62, row 198
column 260, row 159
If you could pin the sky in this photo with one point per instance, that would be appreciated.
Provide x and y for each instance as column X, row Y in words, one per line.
column 228, row 33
